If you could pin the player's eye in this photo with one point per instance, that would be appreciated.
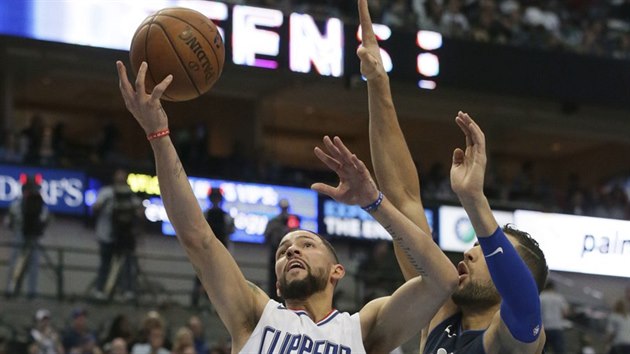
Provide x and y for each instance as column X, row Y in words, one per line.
column 308, row 244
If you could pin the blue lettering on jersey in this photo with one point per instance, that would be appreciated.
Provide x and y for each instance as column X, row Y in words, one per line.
column 272, row 343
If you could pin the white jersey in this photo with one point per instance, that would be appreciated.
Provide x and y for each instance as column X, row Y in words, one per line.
column 284, row 331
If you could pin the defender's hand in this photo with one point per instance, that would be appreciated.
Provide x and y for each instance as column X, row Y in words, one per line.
column 469, row 167
column 369, row 52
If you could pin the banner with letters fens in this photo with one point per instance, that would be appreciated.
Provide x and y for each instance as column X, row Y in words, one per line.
column 62, row 190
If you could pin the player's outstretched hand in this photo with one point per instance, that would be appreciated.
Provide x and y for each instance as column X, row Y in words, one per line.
column 356, row 186
column 369, row 52
column 469, row 166
column 146, row 108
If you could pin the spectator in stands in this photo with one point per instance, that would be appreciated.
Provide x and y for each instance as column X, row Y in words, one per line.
column 116, row 346
column 438, row 186
column 155, row 338
column 44, row 339
column 10, row 152
column 379, row 272
column 28, row 218
column 453, row 22
column 428, row 14
column 277, row 227
column 32, row 137
column 59, row 144
column 153, row 319
column 397, row 14
column 106, row 142
column 586, row 344
column 118, row 210
column 618, row 329
column 78, row 335
column 626, row 298
column 184, row 341
column 222, row 224
column 555, row 309
column 523, row 186
column 121, row 329
column 87, row 345
column 611, row 203
column 196, row 326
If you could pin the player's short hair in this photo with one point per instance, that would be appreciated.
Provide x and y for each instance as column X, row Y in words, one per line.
column 328, row 245
column 532, row 255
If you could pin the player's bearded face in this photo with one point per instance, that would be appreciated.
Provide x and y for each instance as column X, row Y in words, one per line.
column 477, row 293
column 302, row 288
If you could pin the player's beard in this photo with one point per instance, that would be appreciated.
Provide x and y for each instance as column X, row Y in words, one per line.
column 301, row 289
column 476, row 294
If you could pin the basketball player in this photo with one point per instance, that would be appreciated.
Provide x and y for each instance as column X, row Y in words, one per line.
column 495, row 308
column 306, row 265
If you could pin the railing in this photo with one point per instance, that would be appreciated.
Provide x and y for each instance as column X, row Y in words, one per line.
column 55, row 259
column 159, row 277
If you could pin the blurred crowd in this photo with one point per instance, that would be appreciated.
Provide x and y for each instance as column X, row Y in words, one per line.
column 592, row 27
column 120, row 334
column 531, row 189
column 42, row 144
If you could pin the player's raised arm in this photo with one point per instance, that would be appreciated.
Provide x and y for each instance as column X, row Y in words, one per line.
column 238, row 303
column 518, row 327
column 387, row 322
column 394, row 168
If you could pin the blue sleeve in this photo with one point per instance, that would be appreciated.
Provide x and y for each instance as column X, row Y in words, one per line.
column 520, row 308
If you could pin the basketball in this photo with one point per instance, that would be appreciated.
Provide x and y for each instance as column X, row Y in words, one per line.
column 181, row 42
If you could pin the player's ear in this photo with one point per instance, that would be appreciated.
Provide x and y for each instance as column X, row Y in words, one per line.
column 337, row 272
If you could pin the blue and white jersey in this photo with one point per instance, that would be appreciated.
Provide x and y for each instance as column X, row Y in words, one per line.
column 284, row 331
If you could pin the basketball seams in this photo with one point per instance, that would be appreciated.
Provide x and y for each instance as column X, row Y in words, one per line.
column 166, row 54
column 216, row 57
column 181, row 62
column 146, row 55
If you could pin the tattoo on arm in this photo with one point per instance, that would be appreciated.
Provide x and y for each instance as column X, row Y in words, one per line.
column 179, row 169
column 398, row 239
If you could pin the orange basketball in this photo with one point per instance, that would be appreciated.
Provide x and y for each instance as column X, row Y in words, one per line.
column 181, row 42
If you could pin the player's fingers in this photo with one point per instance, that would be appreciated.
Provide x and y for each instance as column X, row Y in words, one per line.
column 123, row 80
column 359, row 165
column 346, row 154
column 158, row 91
column 327, row 160
column 363, row 54
column 330, row 146
column 324, row 189
column 142, row 73
column 464, row 125
column 458, row 157
column 367, row 32
column 478, row 138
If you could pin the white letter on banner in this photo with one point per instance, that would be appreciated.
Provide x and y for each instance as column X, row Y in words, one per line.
column 308, row 45
column 248, row 40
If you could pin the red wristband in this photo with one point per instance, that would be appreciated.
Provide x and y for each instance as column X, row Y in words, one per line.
column 158, row 134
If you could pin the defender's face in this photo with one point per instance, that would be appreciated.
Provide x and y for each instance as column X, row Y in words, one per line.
column 475, row 282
